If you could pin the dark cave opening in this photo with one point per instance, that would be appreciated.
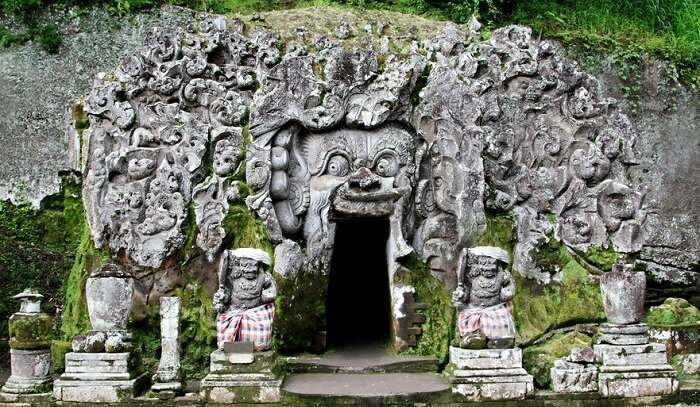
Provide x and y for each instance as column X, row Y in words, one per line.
column 358, row 302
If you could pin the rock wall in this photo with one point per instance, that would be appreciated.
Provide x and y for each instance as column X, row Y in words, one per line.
column 663, row 122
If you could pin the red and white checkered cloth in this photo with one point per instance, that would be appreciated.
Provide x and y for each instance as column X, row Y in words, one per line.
column 493, row 322
column 251, row 325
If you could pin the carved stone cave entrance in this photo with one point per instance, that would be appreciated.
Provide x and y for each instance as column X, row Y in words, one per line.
column 358, row 301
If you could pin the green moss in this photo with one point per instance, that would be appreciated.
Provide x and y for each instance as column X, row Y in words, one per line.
column 197, row 330
column 58, row 355
column 28, row 332
column 537, row 360
column 600, row 257
column 499, row 232
column 300, row 312
column 37, row 247
column 74, row 319
column 538, row 309
column 673, row 312
column 439, row 326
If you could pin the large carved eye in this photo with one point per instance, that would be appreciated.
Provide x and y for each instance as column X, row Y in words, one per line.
column 338, row 166
column 387, row 166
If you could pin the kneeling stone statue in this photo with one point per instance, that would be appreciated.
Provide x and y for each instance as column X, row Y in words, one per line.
column 483, row 299
column 245, row 299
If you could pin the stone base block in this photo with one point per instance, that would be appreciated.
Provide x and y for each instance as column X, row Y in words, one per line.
column 637, row 384
column 625, row 355
column 235, row 363
column 614, row 339
column 631, row 329
column 30, row 399
column 492, row 388
column 497, row 375
column 30, row 372
column 486, row 358
column 98, row 391
column 240, row 388
column 575, row 380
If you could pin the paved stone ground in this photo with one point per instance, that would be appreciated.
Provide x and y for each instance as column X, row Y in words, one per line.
column 369, row 385
column 362, row 359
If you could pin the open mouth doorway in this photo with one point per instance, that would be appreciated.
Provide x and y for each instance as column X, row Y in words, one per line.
column 358, row 302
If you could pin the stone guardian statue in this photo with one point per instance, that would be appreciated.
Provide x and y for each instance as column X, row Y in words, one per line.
column 245, row 299
column 483, row 298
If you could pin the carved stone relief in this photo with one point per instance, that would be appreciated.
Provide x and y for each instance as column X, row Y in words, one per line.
column 432, row 140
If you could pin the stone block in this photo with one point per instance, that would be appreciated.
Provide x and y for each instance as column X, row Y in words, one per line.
column 492, row 391
column 486, row 358
column 617, row 339
column 98, row 391
column 631, row 329
column 240, row 388
column 573, row 378
column 637, row 384
column 620, row 355
column 581, row 355
column 259, row 362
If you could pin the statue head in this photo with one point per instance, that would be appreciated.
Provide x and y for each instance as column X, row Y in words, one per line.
column 246, row 262
column 486, row 261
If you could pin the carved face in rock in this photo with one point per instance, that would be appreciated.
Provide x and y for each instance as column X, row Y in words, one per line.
column 367, row 170
column 486, row 276
column 226, row 157
column 590, row 165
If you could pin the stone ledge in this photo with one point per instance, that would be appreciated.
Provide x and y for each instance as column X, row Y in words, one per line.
column 486, row 358
column 98, row 391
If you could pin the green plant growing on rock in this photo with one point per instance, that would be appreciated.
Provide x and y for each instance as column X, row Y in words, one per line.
column 539, row 359
column 197, row 331
column 439, row 326
column 674, row 312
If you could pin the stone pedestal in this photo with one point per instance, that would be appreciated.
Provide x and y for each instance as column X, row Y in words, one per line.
column 240, row 378
column 99, row 377
column 632, row 370
column 30, row 372
column 489, row 374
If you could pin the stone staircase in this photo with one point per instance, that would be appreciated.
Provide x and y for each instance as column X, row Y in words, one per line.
column 362, row 376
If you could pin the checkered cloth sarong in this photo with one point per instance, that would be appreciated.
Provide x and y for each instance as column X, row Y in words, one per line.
column 494, row 322
column 251, row 325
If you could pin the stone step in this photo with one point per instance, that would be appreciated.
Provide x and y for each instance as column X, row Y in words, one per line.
column 366, row 388
column 359, row 361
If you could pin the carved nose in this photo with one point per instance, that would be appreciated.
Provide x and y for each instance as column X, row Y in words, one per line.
column 364, row 179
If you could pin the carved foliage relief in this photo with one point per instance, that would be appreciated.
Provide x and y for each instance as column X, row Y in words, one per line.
column 432, row 140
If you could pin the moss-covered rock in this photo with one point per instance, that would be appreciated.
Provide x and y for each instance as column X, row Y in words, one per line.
column 673, row 312
column 300, row 313
column 30, row 331
column 197, row 330
column 58, row 355
column 538, row 309
column 539, row 359
column 439, row 326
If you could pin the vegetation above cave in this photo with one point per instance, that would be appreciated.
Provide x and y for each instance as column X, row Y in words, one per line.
column 628, row 31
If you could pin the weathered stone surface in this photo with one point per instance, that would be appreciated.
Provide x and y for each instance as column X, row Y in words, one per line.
column 39, row 89
column 569, row 377
column 288, row 258
column 581, row 355
column 30, row 371
column 486, row 358
column 622, row 291
column 637, row 384
column 98, row 390
column 167, row 376
column 252, row 382
column 647, row 354
column 688, row 364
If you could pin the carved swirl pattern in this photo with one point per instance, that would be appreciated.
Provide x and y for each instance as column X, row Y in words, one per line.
column 507, row 125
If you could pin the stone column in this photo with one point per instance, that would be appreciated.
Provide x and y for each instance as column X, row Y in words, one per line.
column 166, row 381
column 30, row 350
